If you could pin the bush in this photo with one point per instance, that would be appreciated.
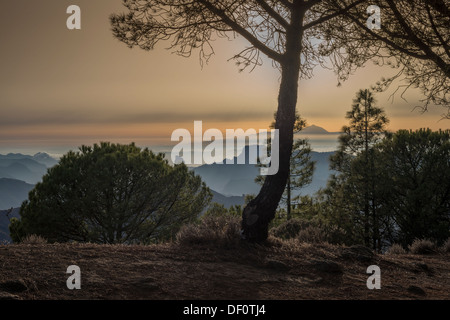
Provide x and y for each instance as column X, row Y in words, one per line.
column 217, row 231
column 16, row 230
column 422, row 246
column 396, row 249
column 309, row 231
column 446, row 246
column 312, row 234
column 290, row 229
column 34, row 239
column 337, row 235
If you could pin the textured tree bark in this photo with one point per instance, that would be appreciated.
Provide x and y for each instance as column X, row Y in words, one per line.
column 261, row 210
column 288, row 189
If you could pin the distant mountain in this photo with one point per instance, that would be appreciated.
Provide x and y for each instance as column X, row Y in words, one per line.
column 24, row 167
column 238, row 179
column 13, row 192
column 227, row 202
column 222, row 177
column 230, row 179
column 46, row 159
column 5, row 216
column 21, row 170
column 40, row 157
column 314, row 130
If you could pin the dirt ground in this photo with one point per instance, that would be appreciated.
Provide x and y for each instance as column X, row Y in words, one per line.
column 279, row 271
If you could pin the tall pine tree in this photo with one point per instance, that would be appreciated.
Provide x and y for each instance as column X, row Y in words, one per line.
column 354, row 162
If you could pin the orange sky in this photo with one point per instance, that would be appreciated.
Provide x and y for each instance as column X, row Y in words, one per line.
column 79, row 87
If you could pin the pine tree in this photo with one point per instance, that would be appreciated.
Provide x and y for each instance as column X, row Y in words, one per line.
column 112, row 193
column 354, row 161
column 415, row 184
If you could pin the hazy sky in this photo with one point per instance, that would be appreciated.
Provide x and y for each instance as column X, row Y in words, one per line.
column 73, row 87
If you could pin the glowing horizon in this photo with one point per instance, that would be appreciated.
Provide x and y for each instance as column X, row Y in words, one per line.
column 74, row 87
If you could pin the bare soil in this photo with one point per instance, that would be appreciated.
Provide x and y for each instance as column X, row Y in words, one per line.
column 277, row 271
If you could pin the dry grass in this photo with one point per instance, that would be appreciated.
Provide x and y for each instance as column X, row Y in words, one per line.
column 396, row 249
column 280, row 269
column 423, row 246
column 214, row 231
column 311, row 234
column 34, row 239
column 289, row 229
column 446, row 246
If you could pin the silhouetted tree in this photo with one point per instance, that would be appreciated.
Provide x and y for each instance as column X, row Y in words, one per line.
column 414, row 38
column 354, row 161
column 289, row 32
column 112, row 193
column 301, row 167
column 415, row 184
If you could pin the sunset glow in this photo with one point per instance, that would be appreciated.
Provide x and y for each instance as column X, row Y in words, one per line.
column 73, row 87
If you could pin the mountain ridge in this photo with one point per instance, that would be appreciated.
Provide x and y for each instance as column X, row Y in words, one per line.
column 314, row 129
column 25, row 167
column 13, row 192
column 238, row 179
column 39, row 157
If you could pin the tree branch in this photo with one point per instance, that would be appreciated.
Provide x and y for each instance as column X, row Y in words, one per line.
column 422, row 46
column 287, row 4
column 387, row 41
column 331, row 16
column 242, row 31
column 273, row 13
column 444, row 43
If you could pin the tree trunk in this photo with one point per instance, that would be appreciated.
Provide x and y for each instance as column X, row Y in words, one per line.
column 288, row 208
column 366, row 173
column 261, row 210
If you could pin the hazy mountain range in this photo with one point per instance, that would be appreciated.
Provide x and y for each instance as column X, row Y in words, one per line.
column 24, row 167
column 13, row 192
column 18, row 175
column 229, row 183
column 239, row 179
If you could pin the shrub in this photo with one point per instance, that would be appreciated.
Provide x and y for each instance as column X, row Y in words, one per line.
column 290, row 229
column 446, row 246
column 34, row 239
column 217, row 231
column 337, row 235
column 396, row 249
column 311, row 234
column 422, row 246
column 16, row 231
column 309, row 231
